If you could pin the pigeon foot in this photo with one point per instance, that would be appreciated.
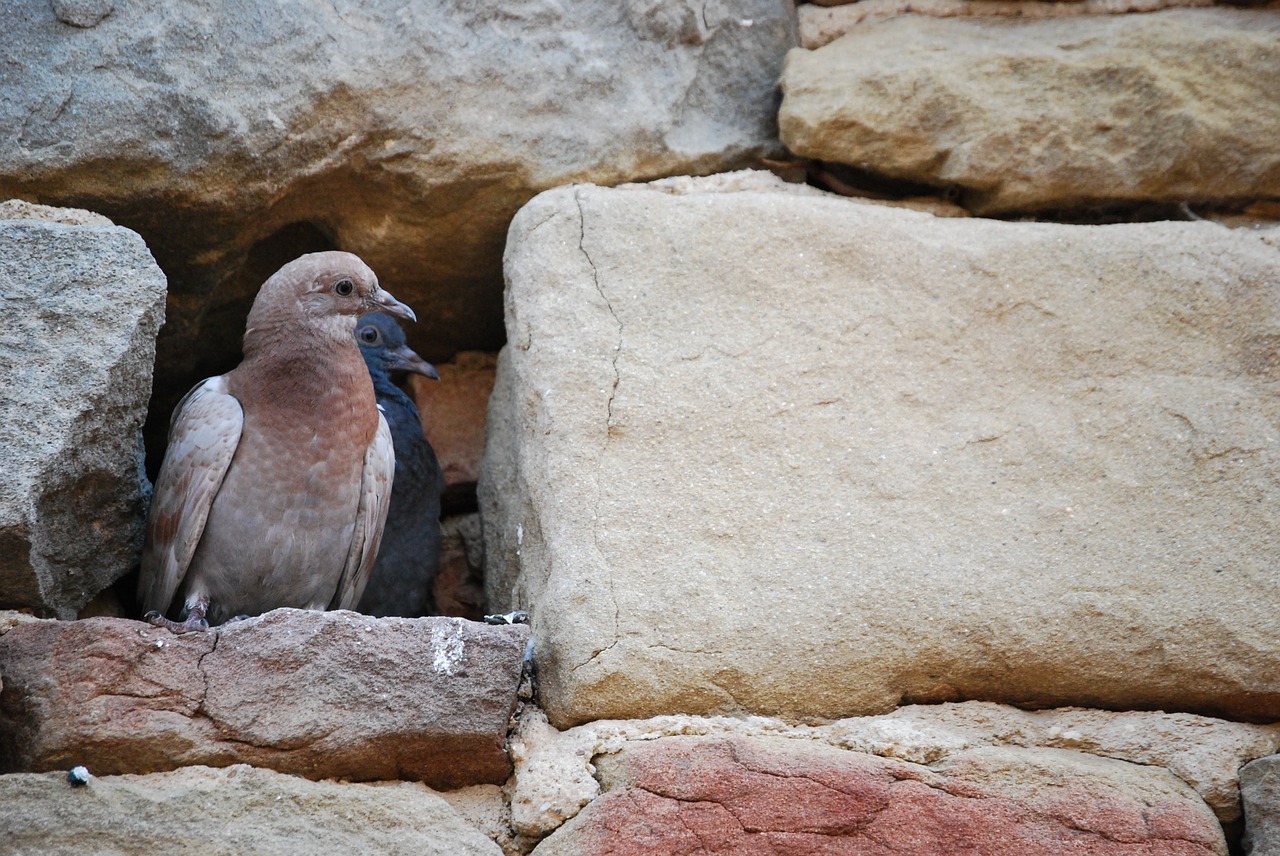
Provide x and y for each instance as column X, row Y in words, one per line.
column 194, row 621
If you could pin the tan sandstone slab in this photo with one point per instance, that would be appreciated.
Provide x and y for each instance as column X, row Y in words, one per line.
column 688, row 795
column 799, row 456
column 319, row 694
column 227, row 812
column 1063, row 113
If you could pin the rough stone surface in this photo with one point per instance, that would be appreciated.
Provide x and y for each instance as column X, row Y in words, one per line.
column 82, row 301
column 453, row 410
column 810, row 458
column 1260, row 788
column 751, row 796
column 819, row 26
column 227, row 812
column 485, row 808
column 233, row 136
column 1054, row 114
column 554, row 776
column 459, row 586
column 332, row 694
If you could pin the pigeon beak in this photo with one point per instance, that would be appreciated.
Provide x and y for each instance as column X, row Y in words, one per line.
column 405, row 359
column 382, row 301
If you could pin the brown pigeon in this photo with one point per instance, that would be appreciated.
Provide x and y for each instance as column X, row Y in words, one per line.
column 275, row 484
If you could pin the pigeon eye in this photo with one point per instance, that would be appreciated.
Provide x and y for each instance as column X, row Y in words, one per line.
column 368, row 334
column 344, row 287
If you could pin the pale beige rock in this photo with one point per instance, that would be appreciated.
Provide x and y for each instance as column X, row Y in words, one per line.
column 1205, row 753
column 554, row 777
column 819, row 26
column 757, row 180
column 757, row 452
column 554, row 773
column 20, row 209
column 1027, row 115
column 485, row 807
column 227, row 812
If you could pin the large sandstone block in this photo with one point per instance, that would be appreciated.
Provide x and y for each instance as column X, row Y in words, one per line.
column 82, row 301
column 234, row 135
column 741, row 796
column 319, row 694
column 1061, row 113
column 227, row 812
column 805, row 457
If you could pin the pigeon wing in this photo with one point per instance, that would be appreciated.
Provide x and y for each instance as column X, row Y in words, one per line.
column 203, row 435
column 375, row 499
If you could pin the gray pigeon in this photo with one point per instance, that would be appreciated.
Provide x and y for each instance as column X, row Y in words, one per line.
column 403, row 580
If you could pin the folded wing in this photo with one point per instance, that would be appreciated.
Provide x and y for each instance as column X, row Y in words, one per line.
column 203, row 435
column 375, row 496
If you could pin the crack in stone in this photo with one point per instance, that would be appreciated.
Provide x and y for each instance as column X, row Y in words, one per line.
column 613, row 391
column 595, row 275
column 204, row 676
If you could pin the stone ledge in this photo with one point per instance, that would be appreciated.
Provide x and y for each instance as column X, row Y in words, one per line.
column 762, row 795
column 238, row 809
column 321, row 695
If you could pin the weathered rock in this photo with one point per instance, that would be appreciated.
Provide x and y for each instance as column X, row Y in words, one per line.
column 1205, row 753
column 554, row 778
column 1028, row 115
column 459, row 587
column 234, row 136
column 332, row 694
column 743, row 796
column 821, row 25
column 83, row 300
column 233, row 810
column 1260, row 788
column 485, row 808
column 804, row 457
column 554, row 775
column 453, row 411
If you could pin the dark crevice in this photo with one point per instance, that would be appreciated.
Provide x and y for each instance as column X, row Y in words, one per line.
column 853, row 181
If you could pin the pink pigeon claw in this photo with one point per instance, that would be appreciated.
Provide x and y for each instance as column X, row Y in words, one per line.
column 275, row 484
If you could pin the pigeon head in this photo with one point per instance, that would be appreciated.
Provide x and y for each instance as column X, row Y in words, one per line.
column 324, row 291
column 383, row 345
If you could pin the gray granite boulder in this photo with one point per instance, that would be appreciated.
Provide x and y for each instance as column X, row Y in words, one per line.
column 82, row 301
column 1260, row 791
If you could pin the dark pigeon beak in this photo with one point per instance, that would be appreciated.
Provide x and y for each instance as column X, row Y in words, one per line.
column 383, row 301
column 405, row 359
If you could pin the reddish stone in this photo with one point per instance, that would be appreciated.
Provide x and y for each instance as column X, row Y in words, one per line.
column 319, row 694
column 686, row 795
column 453, row 417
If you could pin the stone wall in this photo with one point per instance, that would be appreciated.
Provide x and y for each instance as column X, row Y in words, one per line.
column 885, row 444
